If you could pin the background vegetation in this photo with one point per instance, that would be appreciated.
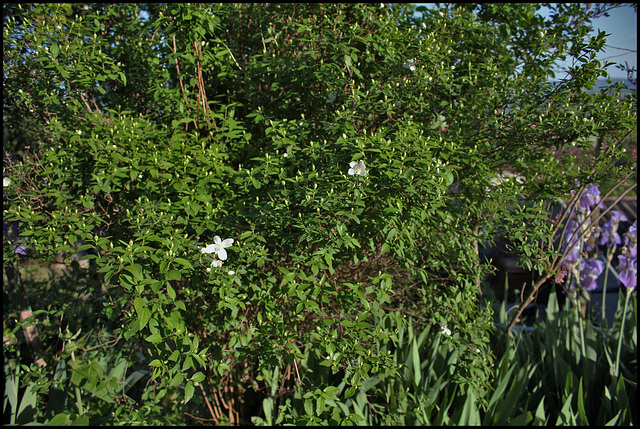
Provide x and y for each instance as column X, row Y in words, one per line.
column 188, row 174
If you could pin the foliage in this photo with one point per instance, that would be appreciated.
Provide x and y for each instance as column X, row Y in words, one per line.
column 145, row 140
column 566, row 368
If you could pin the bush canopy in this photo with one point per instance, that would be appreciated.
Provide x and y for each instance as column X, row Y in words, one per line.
column 269, row 195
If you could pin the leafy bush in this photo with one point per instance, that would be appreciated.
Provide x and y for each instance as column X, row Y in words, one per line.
column 273, row 189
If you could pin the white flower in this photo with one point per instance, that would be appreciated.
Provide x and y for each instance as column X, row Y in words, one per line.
column 357, row 167
column 231, row 272
column 216, row 263
column 331, row 98
column 79, row 132
column 410, row 64
column 6, row 182
column 505, row 176
column 445, row 330
column 218, row 247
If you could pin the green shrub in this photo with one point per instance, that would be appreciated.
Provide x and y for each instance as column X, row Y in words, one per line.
column 208, row 159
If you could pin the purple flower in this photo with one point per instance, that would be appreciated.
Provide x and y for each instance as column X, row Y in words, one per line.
column 628, row 277
column 573, row 243
column 22, row 250
column 590, row 198
column 589, row 272
column 609, row 234
column 628, row 261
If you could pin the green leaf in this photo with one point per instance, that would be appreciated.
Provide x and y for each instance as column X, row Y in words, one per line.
column 154, row 338
column 136, row 270
column 198, row 377
column 55, row 50
column 582, row 414
column 540, row 419
column 183, row 262
column 189, row 390
column 174, row 275
column 470, row 414
column 61, row 419
column 415, row 354
column 177, row 380
column 143, row 318
column 171, row 292
column 308, row 407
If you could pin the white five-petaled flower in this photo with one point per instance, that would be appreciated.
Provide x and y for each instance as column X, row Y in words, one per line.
column 445, row 330
column 218, row 247
column 410, row 64
column 357, row 167
column 6, row 182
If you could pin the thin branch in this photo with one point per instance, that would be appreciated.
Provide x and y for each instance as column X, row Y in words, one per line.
column 208, row 405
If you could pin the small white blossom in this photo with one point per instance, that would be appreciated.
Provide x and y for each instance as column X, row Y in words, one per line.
column 357, row 167
column 286, row 154
column 79, row 132
column 231, row 272
column 445, row 330
column 6, row 182
column 216, row 263
column 410, row 64
column 218, row 247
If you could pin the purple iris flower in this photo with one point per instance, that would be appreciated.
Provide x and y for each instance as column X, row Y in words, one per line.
column 628, row 277
column 590, row 198
column 573, row 243
column 609, row 234
column 589, row 272
column 628, row 262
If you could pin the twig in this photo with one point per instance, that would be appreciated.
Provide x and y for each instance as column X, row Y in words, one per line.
column 208, row 404
column 203, row 420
